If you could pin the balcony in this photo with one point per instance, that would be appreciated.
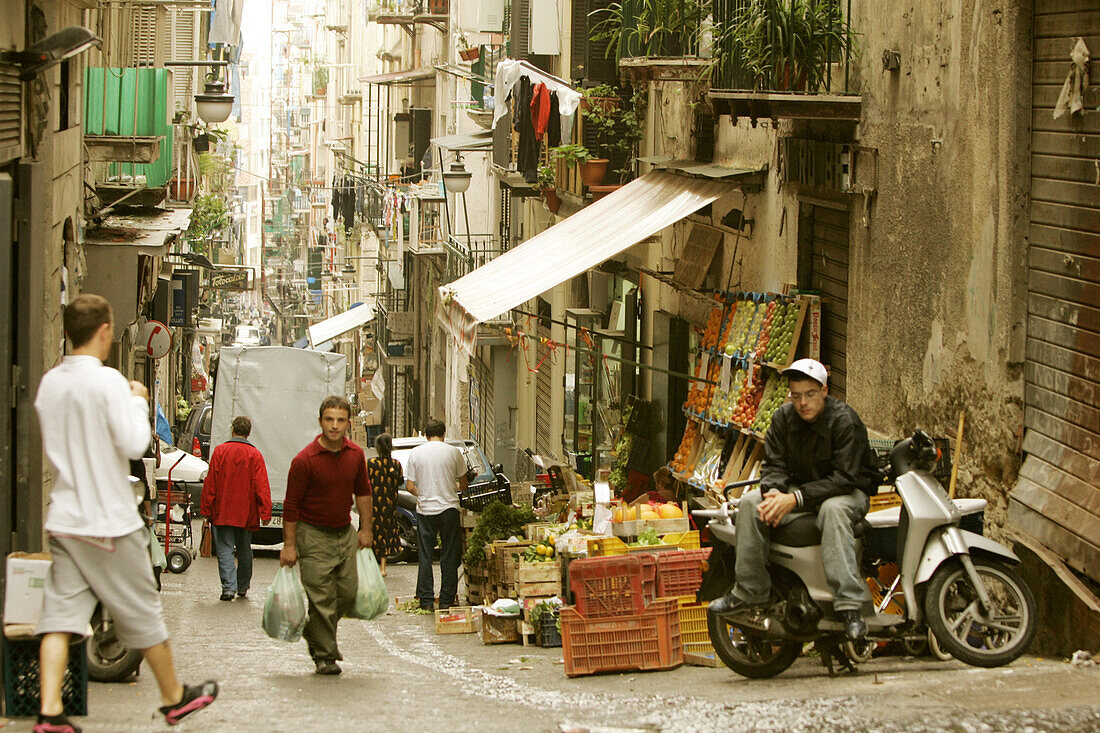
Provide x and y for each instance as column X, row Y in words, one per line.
column 408, row 13
column 808, row 75
column 126, row 126
column 466, row 253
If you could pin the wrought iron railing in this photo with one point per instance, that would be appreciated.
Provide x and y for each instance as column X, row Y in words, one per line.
column 466, row 253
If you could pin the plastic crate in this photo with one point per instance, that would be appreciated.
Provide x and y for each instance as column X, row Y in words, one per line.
column 613, row 586
column 694, row 633
column 21, row 692
column 477, row 498
column 649, row 640
column 549, row 636
column 680, row 573
column 606, row 546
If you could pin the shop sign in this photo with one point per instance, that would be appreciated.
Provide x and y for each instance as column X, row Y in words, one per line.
column 198, row 383
column 230, row 280
column 185, row 296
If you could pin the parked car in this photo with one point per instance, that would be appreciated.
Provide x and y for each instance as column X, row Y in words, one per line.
column 246, row 335
column 195, row 436
column 480, row 475
column 187, row 472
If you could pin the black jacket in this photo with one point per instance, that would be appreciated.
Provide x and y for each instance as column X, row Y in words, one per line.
column 828, row 457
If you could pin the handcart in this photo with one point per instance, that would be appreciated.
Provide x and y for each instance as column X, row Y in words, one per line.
column 172, row 525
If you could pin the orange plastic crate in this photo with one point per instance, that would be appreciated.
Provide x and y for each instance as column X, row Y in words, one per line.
column 613, row 586
column 680, row 573
column 649, row 640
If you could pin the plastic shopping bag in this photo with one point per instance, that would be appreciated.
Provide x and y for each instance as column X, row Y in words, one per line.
column 156, row 551
column 285, row 608
column 371, row 599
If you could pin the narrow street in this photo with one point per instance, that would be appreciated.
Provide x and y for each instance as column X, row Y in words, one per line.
column 399, row 674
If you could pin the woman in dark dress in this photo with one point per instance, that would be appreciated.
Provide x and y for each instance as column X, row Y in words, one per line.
column 386, row 476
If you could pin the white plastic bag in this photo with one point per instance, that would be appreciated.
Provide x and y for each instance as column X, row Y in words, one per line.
column 371, row 598
column 156, row 551
column 286, row 608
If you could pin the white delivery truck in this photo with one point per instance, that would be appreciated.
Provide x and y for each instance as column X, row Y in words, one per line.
column 280, row 389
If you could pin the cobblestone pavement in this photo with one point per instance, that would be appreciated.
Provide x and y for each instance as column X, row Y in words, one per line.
column 399, row 675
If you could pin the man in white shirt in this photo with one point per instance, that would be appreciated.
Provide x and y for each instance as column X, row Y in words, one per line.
column 435, row 473
column 92, row 423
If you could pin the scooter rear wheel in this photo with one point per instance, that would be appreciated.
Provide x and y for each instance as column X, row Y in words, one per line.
column 750, row 656
column 966, row 632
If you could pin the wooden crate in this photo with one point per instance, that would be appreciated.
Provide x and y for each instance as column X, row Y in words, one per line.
column 503, row 553
column 537, row 579
column 454, row 620
column 498, row 629
column 631, row 527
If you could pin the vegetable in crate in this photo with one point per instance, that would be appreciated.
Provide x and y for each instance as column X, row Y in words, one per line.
column 498, row 521
column 541, row 552
column 647, row 537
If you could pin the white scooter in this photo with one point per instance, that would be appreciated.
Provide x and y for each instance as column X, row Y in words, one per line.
column 959, row 584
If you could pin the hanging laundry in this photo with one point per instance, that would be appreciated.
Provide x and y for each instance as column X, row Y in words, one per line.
column 540, row 109
column 553, row 129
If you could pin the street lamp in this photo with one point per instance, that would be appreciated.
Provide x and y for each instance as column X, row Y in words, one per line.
column 457, row 179
column 51, row 50
column 214, row 104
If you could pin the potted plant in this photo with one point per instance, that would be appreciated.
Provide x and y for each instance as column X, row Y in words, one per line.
column 603, row 114
column 668, row 28
column 547, row 182
column 466, row 50
column 320, row 78
column 592, row 169
column 787, row 45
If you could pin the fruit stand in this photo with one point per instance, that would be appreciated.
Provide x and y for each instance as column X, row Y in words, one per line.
column 749, row 339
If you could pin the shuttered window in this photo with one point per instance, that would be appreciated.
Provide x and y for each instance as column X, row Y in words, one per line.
column 183, row 46
column 589, row 59
column 11, row 90
column 1057, row 495
column 143, row 36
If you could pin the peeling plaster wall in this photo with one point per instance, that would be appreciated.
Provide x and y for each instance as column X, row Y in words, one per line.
column 936, row 320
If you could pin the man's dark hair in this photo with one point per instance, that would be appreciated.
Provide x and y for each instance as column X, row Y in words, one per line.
column 334, row 402
column 383, row 444
column 242, row 426
column 83, row 317
column 435, row 429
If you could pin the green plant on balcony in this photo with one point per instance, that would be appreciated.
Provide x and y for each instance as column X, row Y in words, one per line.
column 635, row 28
column 546, row 177
column 786, row 45
column 572, row 154
column 617, row 124
column 209, row 215
column 320, row 76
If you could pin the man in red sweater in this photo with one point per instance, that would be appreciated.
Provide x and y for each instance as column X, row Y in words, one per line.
column 236, row 498
column 324, row 479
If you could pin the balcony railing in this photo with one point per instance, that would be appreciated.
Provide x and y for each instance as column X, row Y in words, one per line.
column 466, row 253
column 802, row 46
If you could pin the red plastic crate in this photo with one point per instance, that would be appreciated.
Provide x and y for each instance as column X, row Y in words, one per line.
column 680, row 573
column 649, row 640
column 613, row 585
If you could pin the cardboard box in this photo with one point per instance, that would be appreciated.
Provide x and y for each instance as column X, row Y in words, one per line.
column 454, row 620
column 26, row 580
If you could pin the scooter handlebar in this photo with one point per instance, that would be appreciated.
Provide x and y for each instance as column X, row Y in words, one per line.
column 737, row 485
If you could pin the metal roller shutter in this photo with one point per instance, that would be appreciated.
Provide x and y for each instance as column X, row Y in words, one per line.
column 829, row 274
column 1057, row 497
column 11, row 127
column 544, row 390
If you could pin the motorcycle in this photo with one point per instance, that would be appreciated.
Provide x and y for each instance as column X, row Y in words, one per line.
column 959, row 585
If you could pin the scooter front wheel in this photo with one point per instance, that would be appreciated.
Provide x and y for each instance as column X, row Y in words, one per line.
column 981, row 637
column 750, row 656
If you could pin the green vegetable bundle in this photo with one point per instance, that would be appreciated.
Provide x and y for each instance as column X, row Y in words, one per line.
column 498, row 521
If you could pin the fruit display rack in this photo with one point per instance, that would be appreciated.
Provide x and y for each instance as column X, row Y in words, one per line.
column 749, row 338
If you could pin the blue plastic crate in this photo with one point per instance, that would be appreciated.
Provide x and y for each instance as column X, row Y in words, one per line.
column 21, row 691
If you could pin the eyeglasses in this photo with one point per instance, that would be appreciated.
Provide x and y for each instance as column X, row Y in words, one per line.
column 800, row 396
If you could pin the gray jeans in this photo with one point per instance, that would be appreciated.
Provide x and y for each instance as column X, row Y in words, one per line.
column 838, row 549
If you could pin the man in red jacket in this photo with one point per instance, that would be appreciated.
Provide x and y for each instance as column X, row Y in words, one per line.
column 236, row 497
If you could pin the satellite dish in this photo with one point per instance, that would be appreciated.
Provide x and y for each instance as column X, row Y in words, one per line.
column 156, row 339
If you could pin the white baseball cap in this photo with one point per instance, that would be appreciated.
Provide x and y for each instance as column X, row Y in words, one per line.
column 811, row 368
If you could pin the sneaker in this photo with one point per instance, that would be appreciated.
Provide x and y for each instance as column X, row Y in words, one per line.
column 195, row 697
column 242, row 594
column 855, row 627
column 732, row 607
column 327, row 666
column 226, row 596
column 54, row 724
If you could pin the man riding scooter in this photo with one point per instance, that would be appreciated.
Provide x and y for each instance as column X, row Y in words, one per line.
column 817, row 460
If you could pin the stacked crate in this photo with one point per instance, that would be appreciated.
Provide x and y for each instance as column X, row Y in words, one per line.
column 502, row 556
column 679, row 575
column 534, row 582
column 618, row 623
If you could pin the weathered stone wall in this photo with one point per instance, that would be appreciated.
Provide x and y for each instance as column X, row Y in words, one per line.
column 938, row 276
